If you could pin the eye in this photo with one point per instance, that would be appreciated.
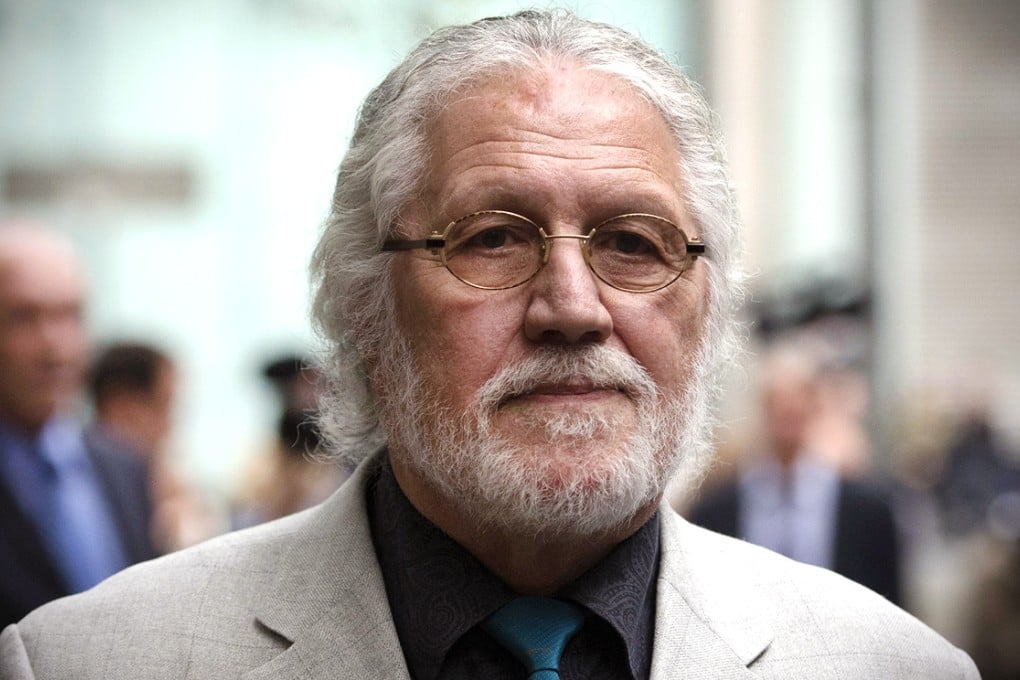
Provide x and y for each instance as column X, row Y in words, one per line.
column 490, row 233
column 621, row 241
column 630, row 243
column 496, row 237
column 493, row 249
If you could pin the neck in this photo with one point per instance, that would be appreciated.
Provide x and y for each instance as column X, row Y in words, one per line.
column 786, row 455
column 128, row 436
column 529, row 562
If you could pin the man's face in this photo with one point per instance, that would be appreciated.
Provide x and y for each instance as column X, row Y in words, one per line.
column 42, row 339
column 162, row 401
column 790, row 406
column 143, row 417
column 568, row 149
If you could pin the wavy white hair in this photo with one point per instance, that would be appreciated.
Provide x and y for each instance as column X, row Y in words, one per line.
column 384, row 170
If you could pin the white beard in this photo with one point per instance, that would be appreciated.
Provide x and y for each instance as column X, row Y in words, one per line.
column 590, row 473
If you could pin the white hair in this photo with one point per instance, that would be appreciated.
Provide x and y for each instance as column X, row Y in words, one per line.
column 383, row 171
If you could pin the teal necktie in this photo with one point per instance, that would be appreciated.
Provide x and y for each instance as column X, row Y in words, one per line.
column 535, row 630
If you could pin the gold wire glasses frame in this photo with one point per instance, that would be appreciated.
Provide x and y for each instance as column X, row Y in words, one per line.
column 496, row 250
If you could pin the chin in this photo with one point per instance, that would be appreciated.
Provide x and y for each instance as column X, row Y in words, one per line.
column 574, row 431
column 561, row 488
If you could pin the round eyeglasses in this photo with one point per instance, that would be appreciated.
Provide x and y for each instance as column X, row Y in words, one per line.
column 495, row 249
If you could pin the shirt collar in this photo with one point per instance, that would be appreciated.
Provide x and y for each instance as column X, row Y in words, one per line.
column 438, row 591
column 621, row 590
column 806, row 483
column 60, row 442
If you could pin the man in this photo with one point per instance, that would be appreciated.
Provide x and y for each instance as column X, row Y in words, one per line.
column 133, row 387
column 290, row 475
column 534, row 390
column 789, row 500
column 73, row 508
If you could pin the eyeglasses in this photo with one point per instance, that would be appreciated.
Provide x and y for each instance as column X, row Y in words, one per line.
column 495, row 250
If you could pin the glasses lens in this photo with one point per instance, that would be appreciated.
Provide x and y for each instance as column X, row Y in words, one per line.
column 493, row 249
column 638, row 252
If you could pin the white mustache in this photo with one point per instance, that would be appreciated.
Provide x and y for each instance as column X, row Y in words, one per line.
column 595, row 365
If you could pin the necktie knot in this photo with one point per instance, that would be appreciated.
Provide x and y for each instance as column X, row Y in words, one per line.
column 535, row 630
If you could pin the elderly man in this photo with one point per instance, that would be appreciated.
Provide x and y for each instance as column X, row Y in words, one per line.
column 527, row 281
column 73, row 507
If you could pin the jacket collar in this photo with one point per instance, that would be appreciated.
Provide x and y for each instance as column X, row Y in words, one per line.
column 328, row 600
column 710, row 622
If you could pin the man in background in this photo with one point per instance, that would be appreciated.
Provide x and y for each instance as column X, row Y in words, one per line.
column 133, row 386
column 73, row 509
column 787, row 498
column 134, row 391
column 292, row 475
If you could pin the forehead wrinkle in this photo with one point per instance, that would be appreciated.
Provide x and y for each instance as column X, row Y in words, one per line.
column 535, row 139
column 492, row 155
column 512, row 177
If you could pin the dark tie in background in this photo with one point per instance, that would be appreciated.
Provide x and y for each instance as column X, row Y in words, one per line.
column 536, row 630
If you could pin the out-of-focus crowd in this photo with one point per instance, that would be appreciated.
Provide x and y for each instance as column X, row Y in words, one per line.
column 89, row 482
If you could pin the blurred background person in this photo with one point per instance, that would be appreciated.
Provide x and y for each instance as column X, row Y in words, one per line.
column 790, row 497
column 288, row 477
column 133, row 388
column 134, row 391
column 996, row 617
column 74, row 508
column 958, row 498
column 976, row 471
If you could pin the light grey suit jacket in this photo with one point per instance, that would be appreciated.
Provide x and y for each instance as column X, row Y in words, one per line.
column 303, row 598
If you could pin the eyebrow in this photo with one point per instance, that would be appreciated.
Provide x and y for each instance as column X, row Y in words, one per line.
column 527, row 204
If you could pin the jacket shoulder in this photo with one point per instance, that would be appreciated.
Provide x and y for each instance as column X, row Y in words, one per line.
column 200, row 612
column 819, row 624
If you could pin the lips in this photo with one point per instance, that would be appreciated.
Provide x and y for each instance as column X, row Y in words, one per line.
column 568, row 388
column 565, row 389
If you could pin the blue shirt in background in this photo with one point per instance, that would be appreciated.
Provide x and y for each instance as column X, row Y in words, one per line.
column 53, row 480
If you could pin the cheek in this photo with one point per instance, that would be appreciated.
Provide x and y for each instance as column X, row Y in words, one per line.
column 476, row 345
column 73, row 336
column 26, row 346
column 664, row 337
column 460, row 338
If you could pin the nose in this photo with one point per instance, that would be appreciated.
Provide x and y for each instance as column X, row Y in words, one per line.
column 566, row 306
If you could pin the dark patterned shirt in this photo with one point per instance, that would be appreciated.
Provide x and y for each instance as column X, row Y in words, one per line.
column 439, row 593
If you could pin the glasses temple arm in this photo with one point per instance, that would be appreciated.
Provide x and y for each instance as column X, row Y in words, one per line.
column 404, row 244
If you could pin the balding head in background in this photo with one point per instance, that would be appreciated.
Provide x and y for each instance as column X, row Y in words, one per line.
column 42, row 336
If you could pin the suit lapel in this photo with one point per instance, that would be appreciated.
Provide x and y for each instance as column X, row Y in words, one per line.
column 329, row 601
column 124, row 481
column 30, row 578
column 709, row 623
